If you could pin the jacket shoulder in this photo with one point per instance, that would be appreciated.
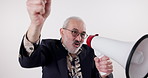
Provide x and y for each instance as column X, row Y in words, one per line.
column 87, row 47
column 50, row 41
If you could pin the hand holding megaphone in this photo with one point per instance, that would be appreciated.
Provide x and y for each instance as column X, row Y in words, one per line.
column 103, row 63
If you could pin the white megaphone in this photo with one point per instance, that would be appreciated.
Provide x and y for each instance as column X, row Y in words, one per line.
column 131, row 56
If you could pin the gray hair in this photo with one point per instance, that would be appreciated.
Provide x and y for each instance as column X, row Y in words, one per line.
column 71, row 18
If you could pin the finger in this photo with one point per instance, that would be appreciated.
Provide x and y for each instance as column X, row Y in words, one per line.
column 110, row 67
column 107, row 62
column 48, row 1
column 106, row 67
column 34, row 2
column 36, row 6
column 96, row 59
column 47, row 7
column 106, row 70
column 36, row 9
column 104, row 58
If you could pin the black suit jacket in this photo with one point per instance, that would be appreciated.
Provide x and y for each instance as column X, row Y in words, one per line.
column 51, row 55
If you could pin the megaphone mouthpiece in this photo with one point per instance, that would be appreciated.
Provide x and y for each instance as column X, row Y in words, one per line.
column 90, row 38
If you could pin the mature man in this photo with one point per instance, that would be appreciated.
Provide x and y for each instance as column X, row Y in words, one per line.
column 64, row 58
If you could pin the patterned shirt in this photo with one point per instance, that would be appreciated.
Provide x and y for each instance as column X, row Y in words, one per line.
column 73, row 64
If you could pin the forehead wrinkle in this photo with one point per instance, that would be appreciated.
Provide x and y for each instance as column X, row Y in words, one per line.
column 76, row 24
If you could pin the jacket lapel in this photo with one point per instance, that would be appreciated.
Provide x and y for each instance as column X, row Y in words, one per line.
column 62, row 64
column 62, row 61
column 85, row 64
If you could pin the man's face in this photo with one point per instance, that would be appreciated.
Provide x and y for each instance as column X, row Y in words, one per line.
column 72, row 36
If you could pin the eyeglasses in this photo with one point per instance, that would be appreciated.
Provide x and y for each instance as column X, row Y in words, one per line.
column 75, row 32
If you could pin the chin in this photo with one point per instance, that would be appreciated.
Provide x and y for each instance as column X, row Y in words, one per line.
column 74, row 50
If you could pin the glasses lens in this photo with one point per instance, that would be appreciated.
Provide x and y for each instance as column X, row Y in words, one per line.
column 75, row 33
column 83, row 35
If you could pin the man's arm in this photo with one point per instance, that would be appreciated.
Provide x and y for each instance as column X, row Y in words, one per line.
column 38, row 11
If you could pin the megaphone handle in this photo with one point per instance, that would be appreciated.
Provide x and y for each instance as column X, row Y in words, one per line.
column 102, row 73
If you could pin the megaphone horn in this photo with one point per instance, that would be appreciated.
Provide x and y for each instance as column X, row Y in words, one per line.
column 131, row 56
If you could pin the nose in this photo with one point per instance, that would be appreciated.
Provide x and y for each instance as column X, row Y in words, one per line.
column 78, row 38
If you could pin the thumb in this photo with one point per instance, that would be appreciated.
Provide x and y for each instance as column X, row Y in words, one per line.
column 96, row 59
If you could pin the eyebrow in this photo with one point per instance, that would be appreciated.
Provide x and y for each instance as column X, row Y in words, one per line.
column 78, row 30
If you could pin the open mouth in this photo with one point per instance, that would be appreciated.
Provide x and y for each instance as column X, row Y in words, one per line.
column 76, row 44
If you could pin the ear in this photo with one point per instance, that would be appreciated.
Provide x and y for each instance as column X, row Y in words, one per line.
column 61, row 31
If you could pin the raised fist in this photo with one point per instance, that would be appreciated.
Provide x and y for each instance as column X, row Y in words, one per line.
column 38, row 11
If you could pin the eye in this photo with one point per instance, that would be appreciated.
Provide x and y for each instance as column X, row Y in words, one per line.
column 83, row 34
column 75, row 32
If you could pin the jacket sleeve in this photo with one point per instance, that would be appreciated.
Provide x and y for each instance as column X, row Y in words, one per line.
column 33, row 59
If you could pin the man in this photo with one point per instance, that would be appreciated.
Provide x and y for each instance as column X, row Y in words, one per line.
column 64, row 58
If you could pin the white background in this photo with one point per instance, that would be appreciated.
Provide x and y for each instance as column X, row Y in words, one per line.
column 125, row 20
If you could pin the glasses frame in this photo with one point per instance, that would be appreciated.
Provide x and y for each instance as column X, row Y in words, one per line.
column 78, row 33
